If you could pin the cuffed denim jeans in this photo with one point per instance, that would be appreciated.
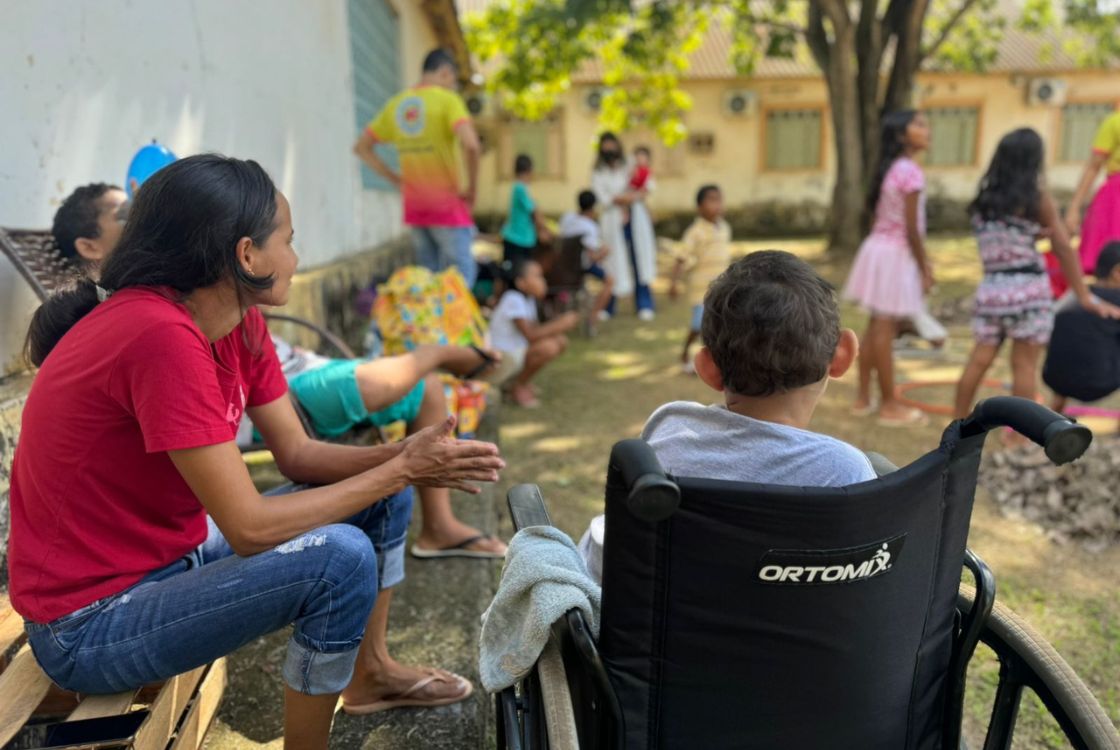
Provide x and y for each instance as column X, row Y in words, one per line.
column 211, row 602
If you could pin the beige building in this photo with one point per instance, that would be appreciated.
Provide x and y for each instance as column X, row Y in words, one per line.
column 767, row 138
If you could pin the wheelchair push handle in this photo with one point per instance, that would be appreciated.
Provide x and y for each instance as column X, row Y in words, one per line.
column 650, row 494
column 1063, row 439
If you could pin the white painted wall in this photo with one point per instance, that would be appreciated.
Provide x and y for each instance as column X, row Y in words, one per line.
column 86, row 83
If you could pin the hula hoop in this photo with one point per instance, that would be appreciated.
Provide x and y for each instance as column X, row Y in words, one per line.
column 1083, row 410
column 938, row 409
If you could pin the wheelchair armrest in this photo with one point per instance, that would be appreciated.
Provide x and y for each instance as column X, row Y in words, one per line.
column 526, row 507
column 651, row 495
column 1027, row 660
column 1063, row 439
column 344, row 350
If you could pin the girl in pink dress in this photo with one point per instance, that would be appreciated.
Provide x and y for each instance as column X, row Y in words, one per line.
column 891, row 273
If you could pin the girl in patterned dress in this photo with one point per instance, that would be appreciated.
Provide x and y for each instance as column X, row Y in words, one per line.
column 891, row 273
column 1014, row 300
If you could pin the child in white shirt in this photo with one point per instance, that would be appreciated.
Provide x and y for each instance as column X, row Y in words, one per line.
column 526, row 344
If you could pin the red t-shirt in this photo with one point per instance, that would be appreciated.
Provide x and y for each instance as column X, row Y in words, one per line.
column 96, row 502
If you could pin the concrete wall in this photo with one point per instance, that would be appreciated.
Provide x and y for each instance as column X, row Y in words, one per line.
column 736, row 161
column 86, row 84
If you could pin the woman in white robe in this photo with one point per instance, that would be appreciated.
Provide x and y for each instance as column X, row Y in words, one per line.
column 626, row 226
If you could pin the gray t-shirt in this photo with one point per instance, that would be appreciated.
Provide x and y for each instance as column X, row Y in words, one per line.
column 712, row 442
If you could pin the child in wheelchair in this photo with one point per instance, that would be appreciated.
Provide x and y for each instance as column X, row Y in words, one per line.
column 772, row 340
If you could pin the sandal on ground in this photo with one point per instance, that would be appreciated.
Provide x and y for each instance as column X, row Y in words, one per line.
column 913, row 418
column 459, row 550
column 409, row 697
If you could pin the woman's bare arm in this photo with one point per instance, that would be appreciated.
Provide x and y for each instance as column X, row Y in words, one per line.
column 251, row 523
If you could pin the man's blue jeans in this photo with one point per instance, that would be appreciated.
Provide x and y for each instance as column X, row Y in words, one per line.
column 438, row 248
column 212, row 602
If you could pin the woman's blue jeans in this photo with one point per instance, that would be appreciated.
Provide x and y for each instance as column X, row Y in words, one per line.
column 643, row 296
column 212, row 602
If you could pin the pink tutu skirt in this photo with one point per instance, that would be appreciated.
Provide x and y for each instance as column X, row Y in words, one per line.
column 1102, row 223
column 885, row 279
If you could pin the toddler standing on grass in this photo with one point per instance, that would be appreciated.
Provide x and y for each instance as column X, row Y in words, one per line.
column 526, row 344
column 704, row 253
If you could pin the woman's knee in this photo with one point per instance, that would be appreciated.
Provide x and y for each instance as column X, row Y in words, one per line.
column 343, row 555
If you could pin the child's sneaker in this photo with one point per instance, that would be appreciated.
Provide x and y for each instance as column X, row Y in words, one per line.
column 604, row 316
column 645, row 315
column 687, row 368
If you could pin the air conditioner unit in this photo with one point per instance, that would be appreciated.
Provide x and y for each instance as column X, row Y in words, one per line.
column 739, row 103
column 1046, row 92
column 593, row 98
column 478, row 104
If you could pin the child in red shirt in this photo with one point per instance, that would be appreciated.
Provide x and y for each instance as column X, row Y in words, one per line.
column 642, row 172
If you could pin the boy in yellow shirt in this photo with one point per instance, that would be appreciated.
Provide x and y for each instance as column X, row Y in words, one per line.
column 704, row 253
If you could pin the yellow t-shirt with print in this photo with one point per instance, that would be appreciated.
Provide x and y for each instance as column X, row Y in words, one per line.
column 1108, row 142
column 421, row 123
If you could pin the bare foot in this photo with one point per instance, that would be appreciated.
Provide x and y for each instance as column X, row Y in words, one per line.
column 523, row 396
column 861, row 407
column 393, row 680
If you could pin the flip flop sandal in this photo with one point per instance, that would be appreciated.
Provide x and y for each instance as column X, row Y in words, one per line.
column 862, row 411
column 487, row 363
column 458, row 550
column 404, row 699
column 913, row 418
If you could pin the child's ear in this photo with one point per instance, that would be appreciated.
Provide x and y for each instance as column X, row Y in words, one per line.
column 707, row 370
column 89, row 250
column 847, row 349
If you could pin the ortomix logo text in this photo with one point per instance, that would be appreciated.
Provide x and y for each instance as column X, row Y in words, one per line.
column 793, row 567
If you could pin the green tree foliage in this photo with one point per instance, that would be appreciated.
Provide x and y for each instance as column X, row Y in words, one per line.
column 641, row 49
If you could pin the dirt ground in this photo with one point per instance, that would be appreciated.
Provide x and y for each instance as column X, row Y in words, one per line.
column 603, row 389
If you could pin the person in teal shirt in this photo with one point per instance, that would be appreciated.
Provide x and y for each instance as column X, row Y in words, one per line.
column 524, row 229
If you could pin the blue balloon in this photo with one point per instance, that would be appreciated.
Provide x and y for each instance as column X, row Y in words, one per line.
column 148, row 160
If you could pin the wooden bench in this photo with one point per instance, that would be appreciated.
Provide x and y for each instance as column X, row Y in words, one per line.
column 179, row 710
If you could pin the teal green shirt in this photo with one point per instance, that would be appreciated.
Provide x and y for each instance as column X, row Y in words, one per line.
column 519, row 228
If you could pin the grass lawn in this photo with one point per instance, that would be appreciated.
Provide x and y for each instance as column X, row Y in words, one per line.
column 603, row 389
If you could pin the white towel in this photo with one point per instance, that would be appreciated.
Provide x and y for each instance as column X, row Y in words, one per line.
column 543, row 577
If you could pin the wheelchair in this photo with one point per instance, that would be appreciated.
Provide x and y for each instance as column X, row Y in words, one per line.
column 761, row 616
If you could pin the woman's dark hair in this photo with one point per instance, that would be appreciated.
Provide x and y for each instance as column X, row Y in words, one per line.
column 1010, row 187
column 891, row 146
column 522, row 164
column 600, row 161
column 181, row 233
column 77, row 218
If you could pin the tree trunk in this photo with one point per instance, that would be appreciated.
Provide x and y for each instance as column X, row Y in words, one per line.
column 843, row 94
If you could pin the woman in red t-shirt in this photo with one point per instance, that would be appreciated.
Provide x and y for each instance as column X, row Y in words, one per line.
column 139, row 546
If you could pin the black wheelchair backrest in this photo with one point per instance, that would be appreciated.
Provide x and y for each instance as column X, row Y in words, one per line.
column 759, row 616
